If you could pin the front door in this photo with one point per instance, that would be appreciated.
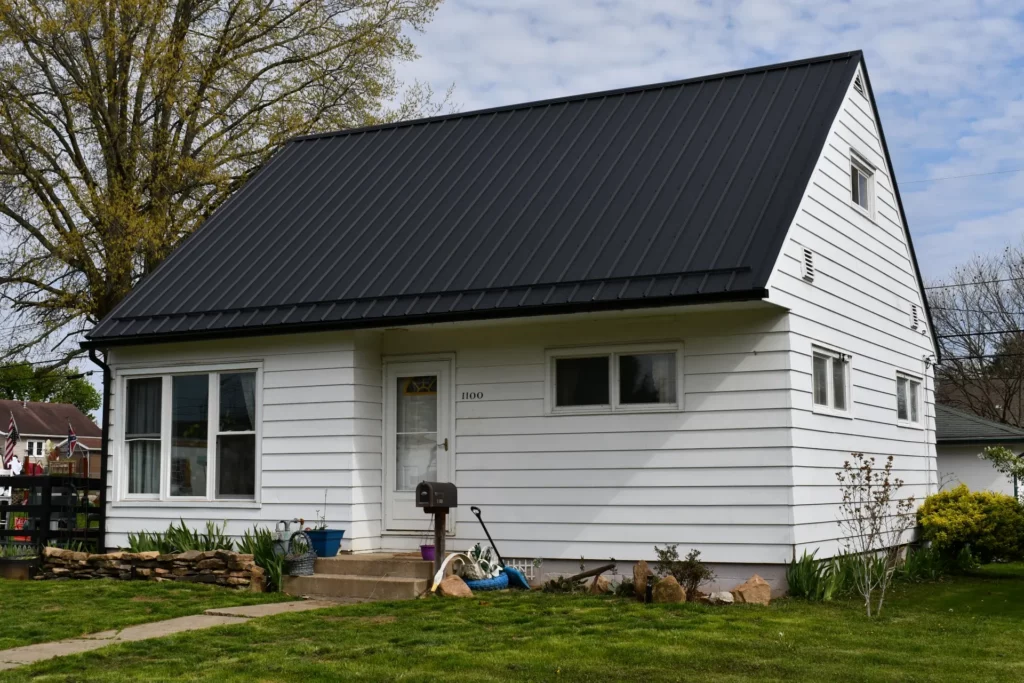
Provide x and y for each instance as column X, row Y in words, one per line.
column 417, row 440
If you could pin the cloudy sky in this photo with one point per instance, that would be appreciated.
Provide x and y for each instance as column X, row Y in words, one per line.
column 948, row 76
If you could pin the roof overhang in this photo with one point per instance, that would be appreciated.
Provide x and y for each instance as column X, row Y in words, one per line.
column 431, row 319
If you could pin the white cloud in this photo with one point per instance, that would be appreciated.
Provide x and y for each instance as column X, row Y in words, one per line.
column 949, row 77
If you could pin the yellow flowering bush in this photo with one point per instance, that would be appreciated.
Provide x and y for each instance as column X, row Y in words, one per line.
column 991, row 524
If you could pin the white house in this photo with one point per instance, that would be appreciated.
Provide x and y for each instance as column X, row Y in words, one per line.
column 661, row 314
column 960, row 439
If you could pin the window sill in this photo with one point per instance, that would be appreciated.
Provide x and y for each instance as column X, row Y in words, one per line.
column 906, row 424
column 832, row 412
column 607, row 410
column 156, row 502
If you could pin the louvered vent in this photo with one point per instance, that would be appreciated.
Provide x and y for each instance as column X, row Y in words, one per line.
column 858, row 84
column 915, row 319
column 808, row 265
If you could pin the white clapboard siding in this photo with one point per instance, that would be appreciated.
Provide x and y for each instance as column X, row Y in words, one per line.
column 715, row 475
column 859, row 302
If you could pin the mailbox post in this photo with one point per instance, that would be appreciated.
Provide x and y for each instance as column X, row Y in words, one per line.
column 436, row 498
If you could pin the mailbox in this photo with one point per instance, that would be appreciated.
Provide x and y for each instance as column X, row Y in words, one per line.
column 436, row 494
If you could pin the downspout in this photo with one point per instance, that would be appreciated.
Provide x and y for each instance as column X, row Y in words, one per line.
column 104, row 447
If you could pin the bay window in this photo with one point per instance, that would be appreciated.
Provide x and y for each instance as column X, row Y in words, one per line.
column 191, row 436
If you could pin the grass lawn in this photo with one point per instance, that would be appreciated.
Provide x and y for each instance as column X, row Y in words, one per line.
column 963, row 629
column 39, row 611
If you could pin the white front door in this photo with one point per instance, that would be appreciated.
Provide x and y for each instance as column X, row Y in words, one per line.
column 418, row 444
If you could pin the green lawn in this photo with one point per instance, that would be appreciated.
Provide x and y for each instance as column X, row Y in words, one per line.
column 958, row 630
column 39, row 611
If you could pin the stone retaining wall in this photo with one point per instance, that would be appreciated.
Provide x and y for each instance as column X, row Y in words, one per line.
column 219, row 567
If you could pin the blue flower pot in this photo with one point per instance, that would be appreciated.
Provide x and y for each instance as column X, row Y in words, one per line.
column 326, row 541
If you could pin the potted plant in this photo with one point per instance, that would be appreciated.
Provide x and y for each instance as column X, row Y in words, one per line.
column 427, row 550
column 326, row 542
column 17, row 561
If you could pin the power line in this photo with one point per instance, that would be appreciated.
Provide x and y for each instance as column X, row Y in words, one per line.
column 966, row 175
column 978, row 334
column 979, row 282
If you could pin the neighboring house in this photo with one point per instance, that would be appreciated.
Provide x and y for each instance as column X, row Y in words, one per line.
column 39, row 423
column 662, row 314
column 961, row 437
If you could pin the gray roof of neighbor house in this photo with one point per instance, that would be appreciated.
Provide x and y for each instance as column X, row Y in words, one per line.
column 664, row 194
column 46, row 419
column 957, row 426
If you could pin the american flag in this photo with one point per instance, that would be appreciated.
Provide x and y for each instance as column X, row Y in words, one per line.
column 72, row 439
column 12, row 439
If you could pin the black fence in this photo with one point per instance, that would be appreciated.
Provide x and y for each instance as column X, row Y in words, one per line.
column 52, row 510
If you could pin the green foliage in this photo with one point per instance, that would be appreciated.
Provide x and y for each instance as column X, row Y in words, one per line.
column 1005, row 462
column 262, row 545
column 689, row 572
column 562, row 584
column 25, row 382
column 625, row 589
column 990, row 524
column 17, row 551
column 179, row 539
column 812, row 579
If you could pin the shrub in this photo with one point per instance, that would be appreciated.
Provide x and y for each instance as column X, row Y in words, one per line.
column 989, row 525
column 689, row 572
column 179, row 539
column 812, row 579
column 261, row 544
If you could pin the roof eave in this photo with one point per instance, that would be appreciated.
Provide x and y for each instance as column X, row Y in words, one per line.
column 429, row 319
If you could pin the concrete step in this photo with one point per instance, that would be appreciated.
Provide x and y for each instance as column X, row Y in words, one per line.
column 375, row 565
column 354, row 586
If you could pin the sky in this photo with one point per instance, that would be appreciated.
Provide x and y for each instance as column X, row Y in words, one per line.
column 948, row 76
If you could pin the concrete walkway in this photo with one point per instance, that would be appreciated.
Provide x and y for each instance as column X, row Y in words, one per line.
column 30, row 654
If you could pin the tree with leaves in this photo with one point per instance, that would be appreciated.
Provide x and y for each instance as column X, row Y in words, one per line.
column 25, row 382
column 125, row 123
column 979, row 321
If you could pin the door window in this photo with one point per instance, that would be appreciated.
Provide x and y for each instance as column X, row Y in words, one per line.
column 415, row 431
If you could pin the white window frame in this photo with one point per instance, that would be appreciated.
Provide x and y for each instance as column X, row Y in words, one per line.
column 910, row 377
column 832, row 353
column 858, row 163
column 163, row 498
column 612, row 352
column 29, row 453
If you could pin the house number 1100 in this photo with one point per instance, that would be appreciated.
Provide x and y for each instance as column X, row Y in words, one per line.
column 472, row 395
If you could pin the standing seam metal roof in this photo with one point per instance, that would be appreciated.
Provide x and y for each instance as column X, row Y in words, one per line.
column 670, row 193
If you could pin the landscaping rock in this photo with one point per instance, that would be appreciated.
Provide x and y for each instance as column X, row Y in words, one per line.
column 720, row 598
column 454, row 587
column 754, row 591
column 668, row 590
column 220, row 567
column 640, row 573
column 600, row 586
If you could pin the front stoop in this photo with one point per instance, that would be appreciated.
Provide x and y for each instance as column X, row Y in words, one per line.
column 375, row 576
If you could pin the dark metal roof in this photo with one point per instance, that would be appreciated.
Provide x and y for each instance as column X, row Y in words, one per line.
column 956, row 426
column 664, row 194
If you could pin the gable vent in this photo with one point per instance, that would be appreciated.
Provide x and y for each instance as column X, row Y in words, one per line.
column 858, row 84
column 915, row 317
column 807, row 265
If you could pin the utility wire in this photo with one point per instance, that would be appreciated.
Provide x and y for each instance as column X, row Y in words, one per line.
column 979, row 282
column 966, row 175
column 978, row 334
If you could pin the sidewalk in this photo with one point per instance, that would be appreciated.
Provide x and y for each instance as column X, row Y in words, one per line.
column 30, row 654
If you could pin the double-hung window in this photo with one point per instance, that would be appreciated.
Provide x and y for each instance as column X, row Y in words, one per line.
column 628, row 378
column 862, row 183
column 191, row 436
column 908, row 399
column 831, row 381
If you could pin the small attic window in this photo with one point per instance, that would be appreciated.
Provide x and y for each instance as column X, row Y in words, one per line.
column 858, row 85
column 807, row 265
column 862, row 183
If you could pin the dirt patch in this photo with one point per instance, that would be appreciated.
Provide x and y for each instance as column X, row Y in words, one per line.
column 146, row 598
column 379, row 619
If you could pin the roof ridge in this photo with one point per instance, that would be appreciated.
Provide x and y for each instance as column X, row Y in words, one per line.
column 579, row 97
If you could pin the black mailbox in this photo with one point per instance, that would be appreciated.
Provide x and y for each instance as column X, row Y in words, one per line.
column 436, row 494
